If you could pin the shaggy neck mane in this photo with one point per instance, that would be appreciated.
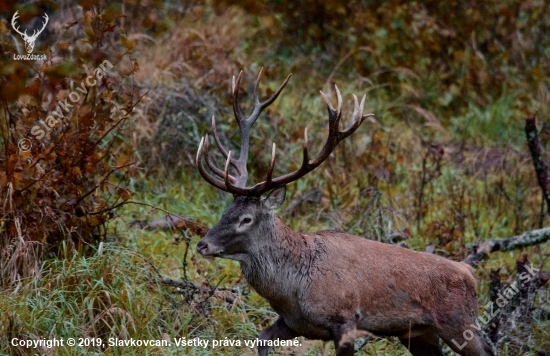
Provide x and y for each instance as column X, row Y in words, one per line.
column 283, row 256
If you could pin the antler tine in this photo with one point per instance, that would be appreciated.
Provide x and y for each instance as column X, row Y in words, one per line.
column 256, row 99
column 275, row 95
column 362, row 105
column 356, row 117
column 217, row 139
column 197, row 159
column 210, row 164
column 220, row 146
column 259, row 107
column 271, row 165
column 329, row 106
column 235, row 85
column 229, row 186
column 209, row 178
column 226, row 170
column 369, row 116
column 305, row 159
column 339, row 97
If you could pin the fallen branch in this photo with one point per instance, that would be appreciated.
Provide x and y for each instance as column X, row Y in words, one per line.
column 172, row 221
column 186, row 286
column 529, row 238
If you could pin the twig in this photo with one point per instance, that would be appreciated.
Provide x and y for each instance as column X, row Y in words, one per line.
column 184, row 260
column 541, row 169
column 102, row 181
column 195, row 227
column 212, row 292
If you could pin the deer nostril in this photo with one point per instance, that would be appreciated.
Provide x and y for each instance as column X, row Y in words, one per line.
column 202, row 247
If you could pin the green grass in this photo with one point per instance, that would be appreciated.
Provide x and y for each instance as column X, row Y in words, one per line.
column 113, row 293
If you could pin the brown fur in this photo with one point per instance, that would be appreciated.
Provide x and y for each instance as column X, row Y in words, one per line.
column 333, row 286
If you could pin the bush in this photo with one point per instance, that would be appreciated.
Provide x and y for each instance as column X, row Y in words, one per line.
column 64, row 159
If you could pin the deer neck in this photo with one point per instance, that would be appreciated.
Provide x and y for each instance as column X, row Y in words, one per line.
column 281, row 261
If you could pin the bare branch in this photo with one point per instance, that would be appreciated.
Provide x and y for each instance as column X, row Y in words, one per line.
column 541, row 169
column 529, row 238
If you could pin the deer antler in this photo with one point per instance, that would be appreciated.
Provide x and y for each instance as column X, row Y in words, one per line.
column 237, row 184
column 35, row 32
column 245, row 124
column 13, row 19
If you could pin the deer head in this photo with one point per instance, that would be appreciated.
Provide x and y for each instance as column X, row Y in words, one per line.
column 29, row 40
column 240, row 221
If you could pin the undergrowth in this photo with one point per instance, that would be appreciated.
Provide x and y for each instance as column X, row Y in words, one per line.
column 442, row 168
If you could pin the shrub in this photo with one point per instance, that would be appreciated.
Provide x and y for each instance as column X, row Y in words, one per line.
column 71, row 108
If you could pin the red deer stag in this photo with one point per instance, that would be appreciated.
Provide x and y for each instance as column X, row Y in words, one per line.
column 330, row 285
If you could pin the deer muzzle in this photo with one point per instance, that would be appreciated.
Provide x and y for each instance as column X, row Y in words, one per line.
column 206, row 248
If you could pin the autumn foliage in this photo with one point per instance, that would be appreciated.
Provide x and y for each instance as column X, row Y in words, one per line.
column 466, row 49
column 63, row 165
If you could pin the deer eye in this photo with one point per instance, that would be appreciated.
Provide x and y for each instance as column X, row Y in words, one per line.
column 245, row 220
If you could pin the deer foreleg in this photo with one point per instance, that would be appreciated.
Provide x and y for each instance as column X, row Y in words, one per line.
column 344, row 339
column 277, row 330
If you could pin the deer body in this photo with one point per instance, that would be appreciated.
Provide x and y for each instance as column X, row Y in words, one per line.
column 331, row 285
column 380, row 295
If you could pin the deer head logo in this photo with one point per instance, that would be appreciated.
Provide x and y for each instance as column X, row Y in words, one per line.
column 29, row 40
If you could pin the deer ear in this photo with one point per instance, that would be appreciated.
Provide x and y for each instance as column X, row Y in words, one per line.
column 275, row 198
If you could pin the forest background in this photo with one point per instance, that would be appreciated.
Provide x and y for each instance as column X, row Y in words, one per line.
column 100, row 218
